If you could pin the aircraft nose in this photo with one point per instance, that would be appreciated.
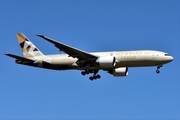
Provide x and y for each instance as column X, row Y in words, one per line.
column 171, row 58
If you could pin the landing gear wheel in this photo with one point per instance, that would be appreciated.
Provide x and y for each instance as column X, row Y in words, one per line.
column 157, row 71
column 98, row 76
column 83, row 73
column 91, row 78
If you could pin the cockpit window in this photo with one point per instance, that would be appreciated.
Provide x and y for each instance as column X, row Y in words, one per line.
column 167, row 54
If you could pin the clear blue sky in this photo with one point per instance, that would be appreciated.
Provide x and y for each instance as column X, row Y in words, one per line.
column 90, row 25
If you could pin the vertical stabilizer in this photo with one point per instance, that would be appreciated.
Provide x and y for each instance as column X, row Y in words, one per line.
column 28, row 48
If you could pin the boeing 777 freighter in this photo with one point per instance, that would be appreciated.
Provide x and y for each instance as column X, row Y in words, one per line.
column 115, row 62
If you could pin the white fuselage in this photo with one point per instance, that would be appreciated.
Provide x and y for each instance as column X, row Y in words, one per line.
column 137, row 58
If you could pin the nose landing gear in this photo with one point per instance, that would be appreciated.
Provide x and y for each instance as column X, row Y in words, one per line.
column 158, row 67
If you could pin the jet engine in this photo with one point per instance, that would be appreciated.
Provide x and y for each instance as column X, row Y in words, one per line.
column 123, row 71
column 107, row 61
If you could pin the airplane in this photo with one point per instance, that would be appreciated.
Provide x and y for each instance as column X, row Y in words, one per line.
column 116, row 62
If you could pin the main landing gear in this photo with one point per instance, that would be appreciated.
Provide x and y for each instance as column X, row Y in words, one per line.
column 95, row 75
column 158, row 67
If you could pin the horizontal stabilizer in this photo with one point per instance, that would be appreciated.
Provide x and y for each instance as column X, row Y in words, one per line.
column 19, row 57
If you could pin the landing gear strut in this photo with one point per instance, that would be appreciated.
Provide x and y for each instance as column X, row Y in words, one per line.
column 158, row 67
column 86, row 72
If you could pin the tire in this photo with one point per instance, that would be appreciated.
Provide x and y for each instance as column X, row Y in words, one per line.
column 98, row 76
column 157, row 71
column 91, row 78
column 83, row 73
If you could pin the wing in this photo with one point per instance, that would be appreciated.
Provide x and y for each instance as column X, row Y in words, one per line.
column 71, row 51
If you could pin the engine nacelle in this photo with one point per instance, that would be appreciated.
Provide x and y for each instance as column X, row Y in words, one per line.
column 123, row 71
column 107, row 61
